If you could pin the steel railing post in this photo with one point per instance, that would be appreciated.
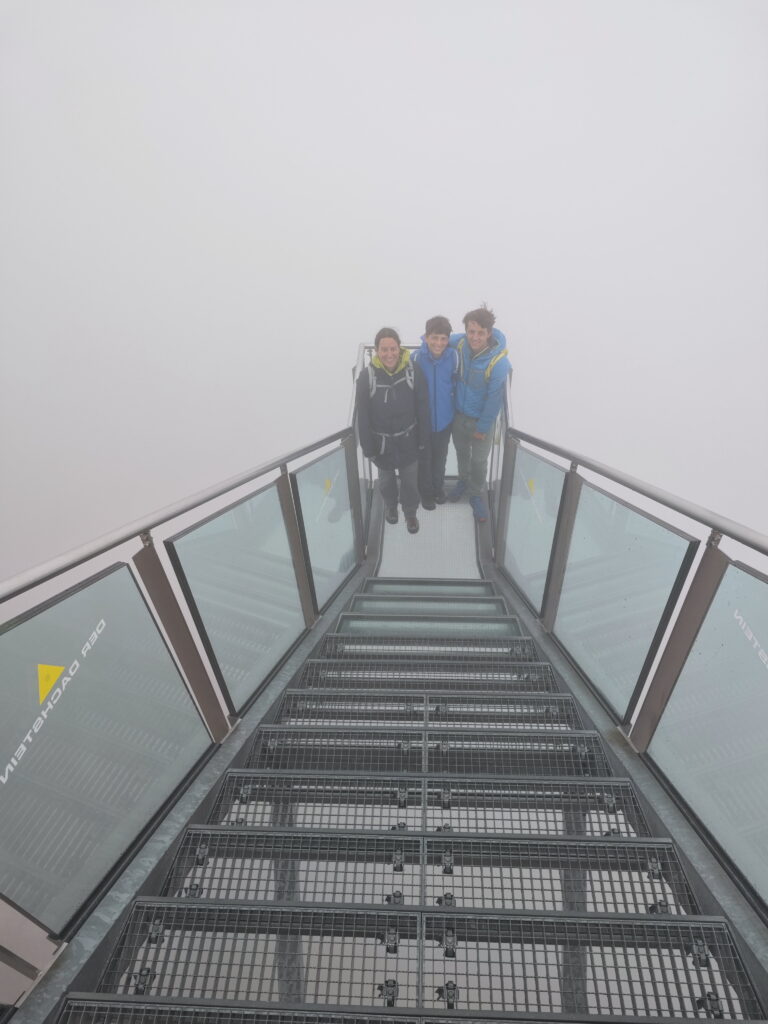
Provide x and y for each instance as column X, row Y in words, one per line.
column 561, row 545
column 697, row 601
column 153, row 575
column 298, row 547
column 511, row 445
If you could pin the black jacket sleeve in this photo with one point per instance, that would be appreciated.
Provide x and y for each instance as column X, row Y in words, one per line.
column 363, row 408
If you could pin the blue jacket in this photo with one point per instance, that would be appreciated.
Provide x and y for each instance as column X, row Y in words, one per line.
column 479, row 397
column 441, row 381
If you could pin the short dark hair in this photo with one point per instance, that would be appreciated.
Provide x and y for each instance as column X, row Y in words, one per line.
column 483, row 316
column 386, row 332
column 438, row 325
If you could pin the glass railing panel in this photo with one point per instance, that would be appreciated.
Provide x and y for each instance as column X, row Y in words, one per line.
column 327, row 515
column 97, row 731
column 621, row 569
column 238, row 570
column 448, row 626
column 711, row 740
column 536, row 488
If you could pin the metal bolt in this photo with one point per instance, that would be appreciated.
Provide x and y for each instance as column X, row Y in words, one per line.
column 448, row 862
column 402, row 796
column 445, row 798
column 449, row 993
column 449, row 943
column 389, row 991
column 397, row 859
column 700, row 953
column 156, row 932
column 201, row 856
column 711, row 1004
column 396, row 897
column 391, row 939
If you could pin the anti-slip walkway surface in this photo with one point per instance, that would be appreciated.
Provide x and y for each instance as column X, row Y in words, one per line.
column 444, row 547
column 424, row 827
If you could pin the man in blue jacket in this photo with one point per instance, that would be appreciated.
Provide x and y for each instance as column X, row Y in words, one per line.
column 439, row 363
column 480, row 389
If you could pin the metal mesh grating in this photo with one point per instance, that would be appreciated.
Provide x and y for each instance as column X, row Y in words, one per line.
column 337, row 750
column 460, row 673
column 336, row 645
column 310, row 802
column 344, row 709
column 229, row 865
column 213, row 952
column 531, row 753
column 584, row 877
column 103, row 1011
column 588, row 967
column 556, row 807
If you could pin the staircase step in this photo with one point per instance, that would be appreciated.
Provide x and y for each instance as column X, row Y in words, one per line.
column 490, row 874
column 490, row 648
column 84, row 1009
column 340, row 708
column 422, row 672
column 476, row 628
column 624, row 966
column 488, row 752
column 512, row 807
column 428, row 588
column 400, row 604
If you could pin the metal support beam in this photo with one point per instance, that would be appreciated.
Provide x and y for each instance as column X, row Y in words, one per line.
column 561, row 545
column 152, row 574
column 297, row 546
column 692, row 614
column 511, row 445
column 349, row 444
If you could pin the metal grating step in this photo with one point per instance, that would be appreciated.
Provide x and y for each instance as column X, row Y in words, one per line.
column 425, row 673
column 338, row 708
column 489, row 874
column 437, row 626
column 407, row 604
column 133, row 1010
column 337, row 645
column 491, row 752
column 522, row 753
column 622, row 966
column 428, row 588
column 523, row 807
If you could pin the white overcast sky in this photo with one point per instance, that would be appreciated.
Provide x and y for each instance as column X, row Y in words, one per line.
column 206, row 205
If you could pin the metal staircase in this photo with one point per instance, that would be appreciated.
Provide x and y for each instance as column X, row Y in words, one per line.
column 424, row 827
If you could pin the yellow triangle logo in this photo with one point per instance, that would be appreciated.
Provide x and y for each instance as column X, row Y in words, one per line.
column 47, row 677
column 327, row 485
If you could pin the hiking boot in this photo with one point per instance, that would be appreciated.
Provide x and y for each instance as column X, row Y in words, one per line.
column 428, row 504
column 391, row 515
column 479, row 508
column 412, row 523
column 440, row 498
column 457, row 491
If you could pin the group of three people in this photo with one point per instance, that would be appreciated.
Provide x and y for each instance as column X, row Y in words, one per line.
column 409, row 408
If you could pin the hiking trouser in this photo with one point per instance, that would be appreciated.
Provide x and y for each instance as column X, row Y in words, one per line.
column 471, row 454
column 409, row 488
column 432, row 464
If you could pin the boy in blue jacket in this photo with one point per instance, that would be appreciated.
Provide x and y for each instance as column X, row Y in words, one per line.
column 480, row 389
column 439, row 363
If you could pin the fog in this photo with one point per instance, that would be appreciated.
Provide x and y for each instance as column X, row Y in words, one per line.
column 206, row 206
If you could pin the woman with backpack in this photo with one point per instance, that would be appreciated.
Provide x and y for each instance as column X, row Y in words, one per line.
column 392, row 404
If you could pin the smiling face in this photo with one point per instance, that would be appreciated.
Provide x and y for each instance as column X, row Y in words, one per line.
column 388, row 351
column 477, row 336
column 437, row 344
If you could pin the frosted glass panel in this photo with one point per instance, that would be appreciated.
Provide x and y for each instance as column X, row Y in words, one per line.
column 324, row 497
column 620, row 573
column 711, row 740
column 240, row 574
column 97, row 730
column 536, row 489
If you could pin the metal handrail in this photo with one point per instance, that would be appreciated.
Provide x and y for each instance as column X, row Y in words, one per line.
column 71, row 560
column 720, row 524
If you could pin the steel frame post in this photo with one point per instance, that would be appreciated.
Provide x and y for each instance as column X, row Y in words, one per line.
column 703, row 588
column 153, row 575
column 511, row 445
column 561, row 544
column 298, row 547
column 349, row 444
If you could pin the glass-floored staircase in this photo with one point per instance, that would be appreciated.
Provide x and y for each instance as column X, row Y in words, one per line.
column 423, row 827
